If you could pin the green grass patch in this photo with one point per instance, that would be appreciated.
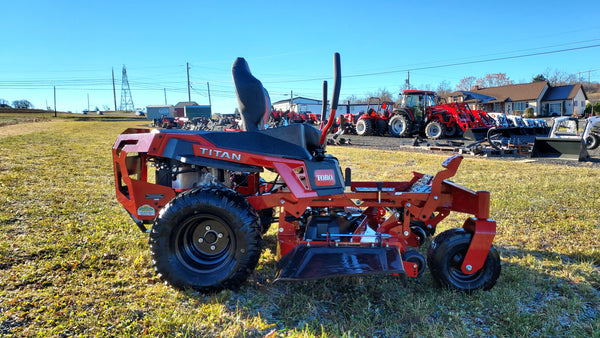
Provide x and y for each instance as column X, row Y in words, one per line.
column 73, row 263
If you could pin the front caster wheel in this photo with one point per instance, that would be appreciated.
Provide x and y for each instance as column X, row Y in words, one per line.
column 446, row 255
column 415, row 257
column 207, row 239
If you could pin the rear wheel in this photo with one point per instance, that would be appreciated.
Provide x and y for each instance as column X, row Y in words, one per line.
column 434, row 130
column 399, row 126
column 592, row 141
column 206, row 239
column 364, row 127
column 445, row 257
column 381, row 126
column 450, row 131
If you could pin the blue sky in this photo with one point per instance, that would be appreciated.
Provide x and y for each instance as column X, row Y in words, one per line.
column 289, row 46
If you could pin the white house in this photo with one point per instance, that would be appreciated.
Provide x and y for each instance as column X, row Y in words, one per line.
column 564, row 100
column 545, row 99
column 298, row 105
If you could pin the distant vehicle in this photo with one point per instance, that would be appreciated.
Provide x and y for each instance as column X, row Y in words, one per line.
column 166, row 122
column 565, row 140
column 567, row 127
column 139, row 113
column 98, row 112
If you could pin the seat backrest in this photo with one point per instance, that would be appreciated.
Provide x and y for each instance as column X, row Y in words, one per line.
column 253, row 98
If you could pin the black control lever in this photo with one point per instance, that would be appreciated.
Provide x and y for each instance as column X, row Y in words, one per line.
column 335, row 96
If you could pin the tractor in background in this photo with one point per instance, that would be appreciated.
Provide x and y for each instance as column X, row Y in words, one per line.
column 419, row 113
column 375, row 121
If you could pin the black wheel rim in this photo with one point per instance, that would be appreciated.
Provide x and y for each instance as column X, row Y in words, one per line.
column 204, row 243
column 455, row 271
column 415, row 258
column 420, row 232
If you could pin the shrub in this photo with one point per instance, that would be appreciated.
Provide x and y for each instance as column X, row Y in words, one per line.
column 597, row 108
column 588, row 109
column 528, row 113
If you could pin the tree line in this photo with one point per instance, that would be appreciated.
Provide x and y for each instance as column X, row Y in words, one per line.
column 444, row 88
column 17, row 104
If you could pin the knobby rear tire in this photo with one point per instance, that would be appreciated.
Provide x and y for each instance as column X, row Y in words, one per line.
column 364, row 127
column 206, row 239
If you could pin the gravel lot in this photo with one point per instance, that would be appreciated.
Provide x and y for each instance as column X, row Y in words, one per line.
column 426, row 145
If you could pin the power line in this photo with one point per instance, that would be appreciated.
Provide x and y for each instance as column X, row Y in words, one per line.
column 479, row 61
column 444, row 65
column 223, row 87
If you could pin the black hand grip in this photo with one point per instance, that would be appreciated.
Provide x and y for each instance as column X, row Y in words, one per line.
column 324, row 105
column 337, row 82
column 348, row 177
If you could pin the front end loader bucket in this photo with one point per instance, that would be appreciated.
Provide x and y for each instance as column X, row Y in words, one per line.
column 323, row 261
column 504, row 132
column 475, row 134
column 563, row 148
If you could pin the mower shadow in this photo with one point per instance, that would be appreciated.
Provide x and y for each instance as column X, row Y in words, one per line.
column 381, row 305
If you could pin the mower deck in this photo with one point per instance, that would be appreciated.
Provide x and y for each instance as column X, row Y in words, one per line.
column 307, row 261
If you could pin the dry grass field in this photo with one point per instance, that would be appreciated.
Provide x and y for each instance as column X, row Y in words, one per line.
column 73, row 263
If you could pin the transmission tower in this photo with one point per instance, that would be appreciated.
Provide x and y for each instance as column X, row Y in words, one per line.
column 126, row 99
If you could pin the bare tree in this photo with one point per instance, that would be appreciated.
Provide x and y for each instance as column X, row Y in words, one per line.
column 559, row 78
column 444, row 89
column 384, row 94
column 352, row 99
column 466, row 83
column 494, row 80
column 4, row 103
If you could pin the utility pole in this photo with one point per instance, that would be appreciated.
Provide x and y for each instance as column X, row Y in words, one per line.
column 408, row 80
column 291, row 99
column 208, row 86
column 88, row 95
column 114, row 91
column 165, row 90
column 188, row 78
column 54, row 101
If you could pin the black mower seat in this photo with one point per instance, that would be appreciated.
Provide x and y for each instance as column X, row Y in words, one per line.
column 297, row 141
column 303, row 135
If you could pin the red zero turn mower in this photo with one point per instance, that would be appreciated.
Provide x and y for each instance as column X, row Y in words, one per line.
column 209, row 206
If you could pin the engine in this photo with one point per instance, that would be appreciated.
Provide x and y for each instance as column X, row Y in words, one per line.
column 335, row 222
column 181, row 176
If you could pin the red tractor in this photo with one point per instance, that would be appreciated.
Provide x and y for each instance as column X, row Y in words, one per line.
column 166, row 122
column 375, row 120
column 419, row 113
column 209, row 206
